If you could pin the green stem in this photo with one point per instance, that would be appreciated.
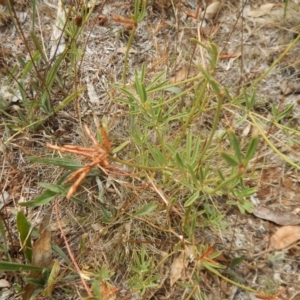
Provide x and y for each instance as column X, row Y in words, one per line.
column 246, row 288
column 224, row 183
column 214, row 128
column 126, row 163
column 280, row 154
column 124, row 78
column 192, row 114
column 275, row 63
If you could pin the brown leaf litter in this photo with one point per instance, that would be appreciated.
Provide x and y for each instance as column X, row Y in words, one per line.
column 41, row 254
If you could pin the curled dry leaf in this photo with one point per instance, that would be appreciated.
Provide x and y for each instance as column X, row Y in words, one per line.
column 284, row 237
column 278, row 217
column 179, row 264
column 179, row 76
column 99, row 20
column 247, row 129
column 263, row 10
column 4, row 283
column 212, row 10
column 41, row 254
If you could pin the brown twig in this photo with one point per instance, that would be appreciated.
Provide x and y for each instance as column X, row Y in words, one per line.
column 70, row 251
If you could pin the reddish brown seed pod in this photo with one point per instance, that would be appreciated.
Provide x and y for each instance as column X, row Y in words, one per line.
column 78, row 21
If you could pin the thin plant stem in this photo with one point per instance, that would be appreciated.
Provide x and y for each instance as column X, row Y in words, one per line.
column 214, row 127
column 70, row 251
column 124, row 76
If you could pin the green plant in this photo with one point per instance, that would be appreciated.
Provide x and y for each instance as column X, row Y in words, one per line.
column 144, row 277
column 137, row 16
column 37, row 81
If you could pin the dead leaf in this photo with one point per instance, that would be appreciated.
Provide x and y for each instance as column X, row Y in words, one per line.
column 220, row 257
column 179, row 76
column 290, row 87
column 93, row 97
column 284, row 237
column 212, row 10
column 124, row 49
column 278, row 217
column 4, row 283
column 108, row 291
column 41, row 253
column 180, row 263
column 296, row 210
column 247, row 129
column 263, row 10
column 4, row 18
column 288, row 183
column 18, row 42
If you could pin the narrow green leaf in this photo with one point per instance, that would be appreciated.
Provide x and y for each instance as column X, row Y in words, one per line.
column 193, row 175
column 214, row 84
column 53, row 187
column 157, row 155
column 37, row 44
column 171, row 149
column 247, row 206
column 285, row 112
column 249, row 101
column 235, row 144
column 23, row 227
column 160, row 86
column 174, row 90
column 140, row 88
column 68, row 99
column 45, row 198
column 128, row 94
column 274, row 111
column 146, row 209
column 4, row 240
column 10, row 266
column 179, row 161
column 192, row 199
column 202, row 175
column 189, row 140
column 143, row 73
column 196, row 149
column 230, row 159
column 142, row 11
column 252, row 101
column 61, row 253
column 120, row 147
column 30, row 63
column 52, row 279
column 236, row 261
column 33, row 16
column 214, row 53
column 154, row 81
column 208, row 264
column 220, row 174
column 66, row 163
column 251, row 149
column 107, row 216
